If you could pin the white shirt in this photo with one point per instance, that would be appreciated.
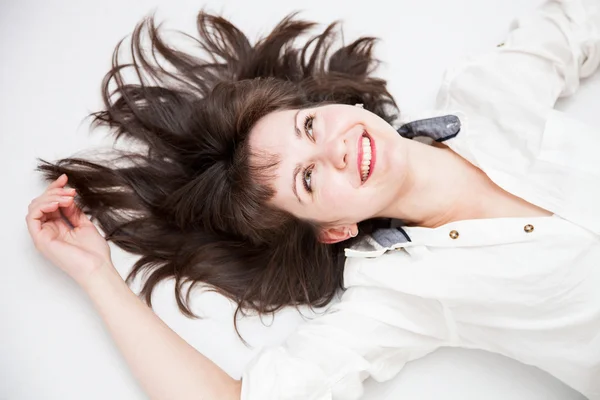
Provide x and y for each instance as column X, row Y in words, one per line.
column 527, row 288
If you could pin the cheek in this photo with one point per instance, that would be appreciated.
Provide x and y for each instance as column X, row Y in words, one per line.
column 337, row 198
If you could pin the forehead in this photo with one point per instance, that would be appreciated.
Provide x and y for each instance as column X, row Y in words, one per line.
column 273, row 130
column 274, row 138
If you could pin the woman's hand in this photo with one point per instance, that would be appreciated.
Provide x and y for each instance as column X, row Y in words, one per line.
column 166, row 365
column 79, row 249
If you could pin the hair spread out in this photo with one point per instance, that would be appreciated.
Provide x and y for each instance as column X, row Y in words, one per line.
column 190, row 203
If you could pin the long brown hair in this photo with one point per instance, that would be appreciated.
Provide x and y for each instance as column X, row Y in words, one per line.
column 190, row 203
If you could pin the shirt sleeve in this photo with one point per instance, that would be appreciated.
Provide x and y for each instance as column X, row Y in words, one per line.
column 543, row 58
column 371, row 332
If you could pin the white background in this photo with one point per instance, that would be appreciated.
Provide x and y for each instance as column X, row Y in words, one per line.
column 53, row 55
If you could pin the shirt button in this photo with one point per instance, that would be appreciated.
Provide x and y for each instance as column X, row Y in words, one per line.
column 454, row 234
column 500, row 45
column 528, row 228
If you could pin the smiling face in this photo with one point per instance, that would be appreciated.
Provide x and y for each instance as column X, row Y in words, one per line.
column 339, row 164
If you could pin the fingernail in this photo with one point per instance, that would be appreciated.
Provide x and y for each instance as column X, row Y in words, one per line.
column 66, row 198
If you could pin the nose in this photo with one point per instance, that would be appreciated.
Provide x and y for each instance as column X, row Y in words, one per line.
column 334, row 152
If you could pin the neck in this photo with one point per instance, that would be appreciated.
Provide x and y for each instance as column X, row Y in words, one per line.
column 442, row 187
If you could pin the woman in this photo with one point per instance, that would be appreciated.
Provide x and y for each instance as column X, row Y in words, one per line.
column 262, row 165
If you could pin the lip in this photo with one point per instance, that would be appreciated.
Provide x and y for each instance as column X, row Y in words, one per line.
column 360, row 156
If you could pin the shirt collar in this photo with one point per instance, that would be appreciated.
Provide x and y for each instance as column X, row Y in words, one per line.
column 437, row 128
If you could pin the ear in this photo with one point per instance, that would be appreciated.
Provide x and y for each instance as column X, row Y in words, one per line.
column 337, row 234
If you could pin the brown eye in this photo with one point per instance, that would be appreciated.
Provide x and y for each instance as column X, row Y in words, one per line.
column 308, row 126
column 306, row 179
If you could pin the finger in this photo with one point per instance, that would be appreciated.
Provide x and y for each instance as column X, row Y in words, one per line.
column 34, row 218
column 52, row 195
column 54, row 213
column 75, row 216
column 60, row 191
column 59, row 182
column 44, row 199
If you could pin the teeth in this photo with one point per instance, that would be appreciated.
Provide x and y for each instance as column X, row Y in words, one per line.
column 366, row 161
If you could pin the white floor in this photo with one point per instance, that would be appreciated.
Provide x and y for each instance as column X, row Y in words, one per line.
column 53, row 55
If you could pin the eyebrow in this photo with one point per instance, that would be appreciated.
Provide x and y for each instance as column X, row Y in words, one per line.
column 296, row 129
column 298, row 166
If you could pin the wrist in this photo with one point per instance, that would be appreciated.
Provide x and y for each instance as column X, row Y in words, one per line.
column 99, row 276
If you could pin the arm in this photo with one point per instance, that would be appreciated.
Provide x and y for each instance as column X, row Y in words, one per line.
column 165, row 364
column 167, row 367
column 543, row 58
column 372, row 331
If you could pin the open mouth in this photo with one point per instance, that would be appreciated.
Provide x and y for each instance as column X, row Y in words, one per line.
column 366, row 156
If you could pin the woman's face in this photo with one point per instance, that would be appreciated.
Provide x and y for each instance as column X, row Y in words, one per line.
column 339, row 164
